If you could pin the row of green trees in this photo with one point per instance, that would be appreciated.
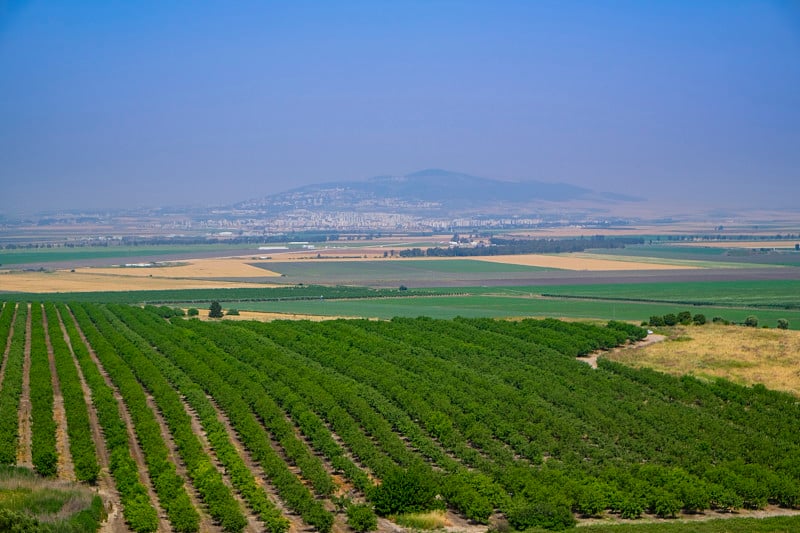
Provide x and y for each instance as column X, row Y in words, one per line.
column 140, row 513
column 169, row 486
column 219, row 500
column 43, row 426
column 214, row 376
column 12, row 381
column 81, row 444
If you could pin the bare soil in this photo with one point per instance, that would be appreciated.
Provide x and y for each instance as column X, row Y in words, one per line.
column 591, row 359
column 24, row 457
column 66, row 468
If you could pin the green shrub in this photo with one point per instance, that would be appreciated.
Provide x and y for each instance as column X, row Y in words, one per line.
column 406, row 491
column 361, row 518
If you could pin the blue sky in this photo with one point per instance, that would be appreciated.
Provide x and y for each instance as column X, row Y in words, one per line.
column 109, row 104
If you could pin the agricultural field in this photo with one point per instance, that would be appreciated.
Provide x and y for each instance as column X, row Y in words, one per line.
column 190, row 425
column 512, row 303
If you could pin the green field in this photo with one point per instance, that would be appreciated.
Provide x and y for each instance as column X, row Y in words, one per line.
column 508, row 305
column 704, row 253
column 397, row 271
column 766, row 293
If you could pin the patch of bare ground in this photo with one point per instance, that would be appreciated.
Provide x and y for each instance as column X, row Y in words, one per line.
column 296, row 524
column 106, row 488
column 66, row 468
column 206, row 522
column 591, row 359
column 8, row 346
column 253, row 524
column 24, row 457
column 133, row 444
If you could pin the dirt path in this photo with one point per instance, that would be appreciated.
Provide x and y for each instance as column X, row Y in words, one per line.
column 253, row 523
column 24, row 457
column 591, row 359
column 66, row 468
column 115, row 522
column 296, row 524
column 133, row 444
column 206, row 522
column 8, row 347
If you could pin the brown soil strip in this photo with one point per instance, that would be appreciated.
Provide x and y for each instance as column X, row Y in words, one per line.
column 296, row 524
column 24, row 457
column 253, row 523
column 8, row 346
column 115, row 522
column 133, row 444
column 66, row 468
column 206, row 522
column 591, row 359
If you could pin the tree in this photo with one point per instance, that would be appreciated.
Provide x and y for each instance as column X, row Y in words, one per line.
column 656, row 320
column 783, row 323
column 685, row 317
column 670, row 319
column 215, row 310
column 699, row 319
column 193, row 311
column 405, row 491
column 751, row 321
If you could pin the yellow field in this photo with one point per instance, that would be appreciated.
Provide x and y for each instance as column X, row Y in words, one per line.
column 577, row 262
column 65, row 281
column 743, row 355
column 230, row 267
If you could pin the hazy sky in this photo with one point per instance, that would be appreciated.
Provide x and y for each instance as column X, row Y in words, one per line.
column 115, row 103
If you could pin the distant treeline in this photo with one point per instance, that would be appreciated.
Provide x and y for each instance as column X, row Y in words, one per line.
column 501, row 246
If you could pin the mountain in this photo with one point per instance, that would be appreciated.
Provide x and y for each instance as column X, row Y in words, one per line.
column 432, row 191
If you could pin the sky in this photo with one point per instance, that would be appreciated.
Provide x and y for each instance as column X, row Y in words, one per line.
column 127, row 104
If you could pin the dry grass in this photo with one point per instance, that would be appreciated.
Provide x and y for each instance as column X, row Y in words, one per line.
column 228, row 267
column 743, row 355
column 576, row 262
column 65, row 281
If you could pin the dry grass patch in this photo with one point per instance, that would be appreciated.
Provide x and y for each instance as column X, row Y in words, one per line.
column 577, row 262
column 228, row 267
column 743, row 355
column 65, row 281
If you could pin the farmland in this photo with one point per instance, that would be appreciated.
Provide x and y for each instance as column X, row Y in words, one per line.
column 233, row 426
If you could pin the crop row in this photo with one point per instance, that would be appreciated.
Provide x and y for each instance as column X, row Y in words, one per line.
column 43, row 426
column 241, row 476
column 168, row 484
column 140, row 515
column 12, row 386
column 227, row 391
column 81, row 445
